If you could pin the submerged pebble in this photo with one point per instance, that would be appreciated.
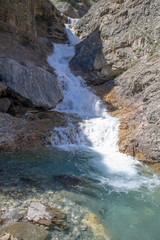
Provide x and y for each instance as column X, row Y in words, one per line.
column 68, row 216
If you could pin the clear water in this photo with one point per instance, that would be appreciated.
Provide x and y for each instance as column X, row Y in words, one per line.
column 127, row 214
column 124, row 193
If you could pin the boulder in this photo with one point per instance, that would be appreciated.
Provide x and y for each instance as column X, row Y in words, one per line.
column 25, row 231
column 33, row 86
column 69, row 181
column 93, row 222
column 5, row 103
column 46, row 215
column 68, row 10
column 88, row 55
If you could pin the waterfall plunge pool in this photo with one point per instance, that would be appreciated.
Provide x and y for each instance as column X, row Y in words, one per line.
column 128, row 206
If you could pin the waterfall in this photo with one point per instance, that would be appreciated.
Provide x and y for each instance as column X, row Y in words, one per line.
column 96, row 130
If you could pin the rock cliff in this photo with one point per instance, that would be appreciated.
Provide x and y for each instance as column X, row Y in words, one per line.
column 27, row 30
column 125, row 32
column 121, row 50
column 32, row 86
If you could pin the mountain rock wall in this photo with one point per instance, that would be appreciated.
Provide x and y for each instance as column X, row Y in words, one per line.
column 27, row 82
column 119, row 57
column 127, row 31
column 27, row 30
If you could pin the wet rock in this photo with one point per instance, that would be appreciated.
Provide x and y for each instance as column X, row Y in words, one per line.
column 68, row 180
column 46, row 215
column 29, row 181
column 96, row 226
column 5, row 104
column 18, row 217
column 32, row 86
column 25, row 231
column 78, row 184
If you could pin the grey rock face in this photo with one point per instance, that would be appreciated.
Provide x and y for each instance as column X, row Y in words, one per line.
column 121, row 41
column 27, row 39
column 141, row 85
column 88, row 50
column 128, row 30
column 34, row 85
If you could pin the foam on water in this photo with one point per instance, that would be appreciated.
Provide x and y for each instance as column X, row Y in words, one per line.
column 97, row 130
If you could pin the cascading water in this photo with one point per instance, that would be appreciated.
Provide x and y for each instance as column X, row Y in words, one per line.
column 96, row 130
column 123, row 193
column 126, row 185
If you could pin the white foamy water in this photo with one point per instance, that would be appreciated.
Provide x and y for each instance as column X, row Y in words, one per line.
column 97, row 130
